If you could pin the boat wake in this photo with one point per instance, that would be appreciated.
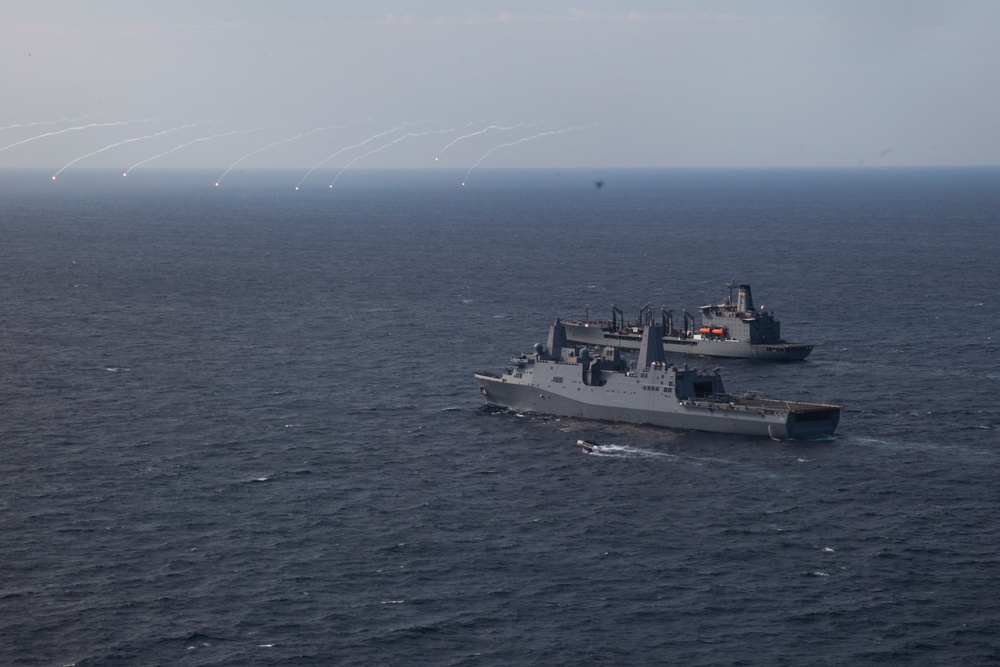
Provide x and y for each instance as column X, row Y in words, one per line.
column 622, row 451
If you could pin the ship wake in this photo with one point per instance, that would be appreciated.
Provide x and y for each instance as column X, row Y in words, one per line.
column 623, row 451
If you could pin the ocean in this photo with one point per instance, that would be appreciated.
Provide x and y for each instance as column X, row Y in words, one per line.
column 240, row 425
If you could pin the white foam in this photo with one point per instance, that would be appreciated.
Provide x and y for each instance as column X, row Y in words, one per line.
column 624, row 451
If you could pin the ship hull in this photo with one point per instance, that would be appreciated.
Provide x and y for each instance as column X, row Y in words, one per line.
column 696, row 345
column 755, row 417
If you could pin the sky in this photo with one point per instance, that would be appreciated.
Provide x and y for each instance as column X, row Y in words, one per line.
column 325, row 84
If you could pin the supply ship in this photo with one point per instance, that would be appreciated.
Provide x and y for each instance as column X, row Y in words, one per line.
column 559, row 379
column 727, row 329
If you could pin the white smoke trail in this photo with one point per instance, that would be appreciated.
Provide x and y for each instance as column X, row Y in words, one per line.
column 283, row 141
column 194, row 141
column 43, row 122
column 514, row 143
column 127, row 141
column 74, row 129
column 394, row 141
column 347, row 148
column 475, row 134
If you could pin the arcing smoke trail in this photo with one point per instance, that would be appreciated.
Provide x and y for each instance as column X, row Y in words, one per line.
column 42, row 122
column 475, row 134
column 382, row 148
column 514, row 143
column 127, row 141
column 73, row 129
column 347, row 148
column 283, row 141
column 195, row 141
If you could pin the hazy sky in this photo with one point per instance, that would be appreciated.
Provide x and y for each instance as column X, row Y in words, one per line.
column 630, row 83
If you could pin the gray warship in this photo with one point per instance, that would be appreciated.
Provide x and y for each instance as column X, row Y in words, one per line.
column 727, row 329
column 558, row 379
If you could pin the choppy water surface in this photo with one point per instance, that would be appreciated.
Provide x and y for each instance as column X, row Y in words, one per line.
column 240, row 424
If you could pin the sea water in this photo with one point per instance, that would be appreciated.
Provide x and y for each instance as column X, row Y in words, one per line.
column 240, row 426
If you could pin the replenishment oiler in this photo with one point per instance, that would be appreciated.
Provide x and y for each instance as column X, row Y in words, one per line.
column 558, row 379
column 727, row 329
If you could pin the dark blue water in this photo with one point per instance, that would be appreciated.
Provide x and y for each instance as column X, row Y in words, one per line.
column 239, row 424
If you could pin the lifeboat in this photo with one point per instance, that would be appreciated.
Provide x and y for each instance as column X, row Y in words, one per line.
column 718, row 332
column 705, row 330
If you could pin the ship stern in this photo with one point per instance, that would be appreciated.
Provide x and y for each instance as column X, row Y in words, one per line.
column 815, row 422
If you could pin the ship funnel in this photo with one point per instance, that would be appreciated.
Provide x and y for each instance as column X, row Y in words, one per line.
column 557, row 339
column 745, row 300
column 651, row 348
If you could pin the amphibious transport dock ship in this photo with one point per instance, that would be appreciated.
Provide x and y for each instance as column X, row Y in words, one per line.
column 560, row 380
column 727, row 329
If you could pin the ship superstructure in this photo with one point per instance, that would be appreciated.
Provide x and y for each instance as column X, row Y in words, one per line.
column 559, row 379
column 733, row 329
